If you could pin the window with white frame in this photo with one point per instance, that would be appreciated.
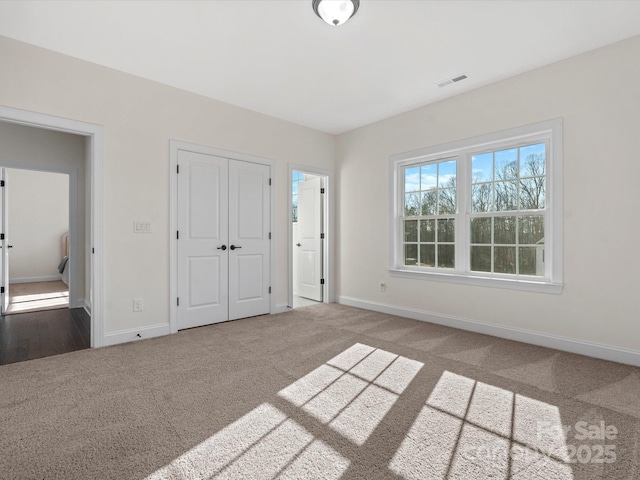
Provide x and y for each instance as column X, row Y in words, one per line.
column 484, row 211
column 429, row 214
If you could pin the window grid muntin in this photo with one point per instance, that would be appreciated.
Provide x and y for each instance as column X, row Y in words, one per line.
column 517, row 213
column 419, row 242
column 517, row 179
column 549, row 132
column 437, row 217
column 462, row 260
column 517, row 245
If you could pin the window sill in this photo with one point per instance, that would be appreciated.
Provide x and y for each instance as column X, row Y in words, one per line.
column 477, row 280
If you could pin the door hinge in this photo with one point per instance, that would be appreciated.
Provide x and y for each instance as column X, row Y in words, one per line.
column 178, row 301
column 269, row 235
column 177, row 168
column 322, row 281
column 322, row 236
column 322, row 190
column 269, row 181
column 177, row 234
column 1, row 183
column 1, row 236
column 1, row 289
column 93, row 250
column 269, row 290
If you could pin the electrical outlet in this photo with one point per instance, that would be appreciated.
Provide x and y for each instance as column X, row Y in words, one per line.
column 138, row 305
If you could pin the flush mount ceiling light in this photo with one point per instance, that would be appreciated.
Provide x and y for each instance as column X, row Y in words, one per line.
column 335, row 12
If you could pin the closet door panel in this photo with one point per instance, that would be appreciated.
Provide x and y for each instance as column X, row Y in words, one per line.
column 203, row 261
column 249, row 212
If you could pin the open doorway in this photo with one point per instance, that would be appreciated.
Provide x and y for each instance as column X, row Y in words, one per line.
column 308, row 252
column 37, row 217
column 45, row 144
column 29, row 141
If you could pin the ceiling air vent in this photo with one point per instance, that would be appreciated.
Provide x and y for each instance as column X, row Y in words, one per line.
column 449, row 81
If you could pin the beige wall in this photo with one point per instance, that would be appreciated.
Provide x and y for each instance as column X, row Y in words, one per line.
column 139, row 119
column 598, row 95
column 38, row 217
column 34, row 148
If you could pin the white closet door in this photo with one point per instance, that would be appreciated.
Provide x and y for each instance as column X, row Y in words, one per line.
column 249, row 223
column 203, row 220
column 309, row 246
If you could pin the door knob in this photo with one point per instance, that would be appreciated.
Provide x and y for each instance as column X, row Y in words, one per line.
column 9, row 246
column 233, row 247
column 223, row 248
column 298, row 244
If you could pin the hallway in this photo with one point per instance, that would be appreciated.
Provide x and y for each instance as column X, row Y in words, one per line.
column 37, row 296
column 27, row 336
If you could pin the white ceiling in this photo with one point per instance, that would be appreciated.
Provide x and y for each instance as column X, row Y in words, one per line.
column 278, row 58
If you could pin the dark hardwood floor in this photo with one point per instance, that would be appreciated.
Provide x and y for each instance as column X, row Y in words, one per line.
column 26, row 336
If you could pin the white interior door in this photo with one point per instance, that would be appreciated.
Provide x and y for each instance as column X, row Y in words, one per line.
column 249, row 224
column 309, row 246
column 4, row 242
column 203, row 259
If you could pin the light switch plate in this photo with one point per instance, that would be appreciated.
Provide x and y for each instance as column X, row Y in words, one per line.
column 141, row 226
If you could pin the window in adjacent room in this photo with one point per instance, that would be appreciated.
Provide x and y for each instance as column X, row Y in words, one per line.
column 296, row 179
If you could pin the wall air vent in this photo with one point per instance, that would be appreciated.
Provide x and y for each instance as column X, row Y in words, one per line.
column 449, row 81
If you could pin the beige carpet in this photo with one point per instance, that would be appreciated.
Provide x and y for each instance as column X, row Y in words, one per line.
column 37, row 296
column 322, row 392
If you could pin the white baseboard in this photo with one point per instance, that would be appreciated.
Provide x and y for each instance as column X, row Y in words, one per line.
column 50, row 278
column 280, row 308
column 581, row 347
column 86, row 306
column 133, row 334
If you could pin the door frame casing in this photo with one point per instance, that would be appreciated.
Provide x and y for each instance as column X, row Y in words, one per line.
column 73, row 218
column 95, row 134
column 174, row 147
column 4, row 254
column 328, row 293
column 310, row 215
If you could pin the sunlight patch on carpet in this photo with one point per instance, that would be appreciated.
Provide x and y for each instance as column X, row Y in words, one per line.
column 351, row 394
column 264, row 443
column 353, row 391
column 469, row 429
